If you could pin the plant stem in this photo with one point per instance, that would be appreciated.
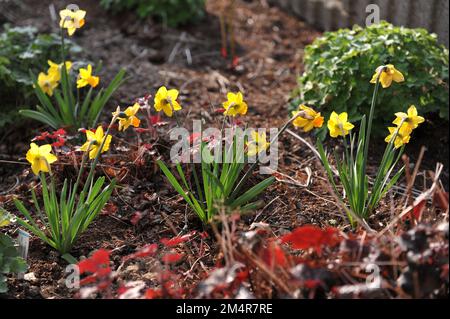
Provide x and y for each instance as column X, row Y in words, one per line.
column 369, row 123
column 252, row 167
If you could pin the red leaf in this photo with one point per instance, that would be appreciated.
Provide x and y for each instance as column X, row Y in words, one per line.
column 273, row 255
column 98, row 260
column 310, row 236
column 172, row 258
column 137, row 216
column 418, row 210
column 155, row 119
column 194, row 137
column 172, row 242
column 147, row 250
column 153, row 293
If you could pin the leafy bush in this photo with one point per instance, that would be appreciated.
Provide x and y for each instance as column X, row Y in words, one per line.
column 10, row 261
column 174, row 12
column 23, row 50
column 338, row 68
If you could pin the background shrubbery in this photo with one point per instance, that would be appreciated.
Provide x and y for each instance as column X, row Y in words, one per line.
column 174, row 12
column 23, row 50
column 339, row 66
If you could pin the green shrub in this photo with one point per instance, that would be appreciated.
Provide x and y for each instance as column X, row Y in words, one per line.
column 339, row 66
column 173, row 12
column 10, row 260
column 23, row 50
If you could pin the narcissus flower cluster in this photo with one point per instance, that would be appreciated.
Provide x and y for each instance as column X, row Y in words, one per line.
column 49, row 81
column 405, row 124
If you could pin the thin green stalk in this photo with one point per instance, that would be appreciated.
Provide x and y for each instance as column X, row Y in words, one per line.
column 253, row 166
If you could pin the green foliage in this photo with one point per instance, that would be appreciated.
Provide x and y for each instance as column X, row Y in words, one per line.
column 172, row 12
column 68, row 215
column 339, row 66
column 22, row 49
column 219, row 184
column 69, row 110
column 351, row 169
column 10, row 261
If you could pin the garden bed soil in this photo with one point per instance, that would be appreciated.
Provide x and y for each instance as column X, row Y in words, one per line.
column 270, row 49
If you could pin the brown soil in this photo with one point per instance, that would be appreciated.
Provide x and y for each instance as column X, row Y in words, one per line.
column 270, row 49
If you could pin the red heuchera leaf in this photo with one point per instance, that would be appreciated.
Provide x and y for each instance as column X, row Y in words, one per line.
column 235, row 62
column 155, row 119
column 274, row 255
column 153, row 293
column 172, row 258
column 194, row 137
column 310, row 236
column 172, row 242
column 418, row 210
column 137, row 216
column 99, row 260
column 147, row 250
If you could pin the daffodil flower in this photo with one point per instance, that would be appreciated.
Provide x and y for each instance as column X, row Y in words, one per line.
column 4, row 220
column 411, row 119
column 235, row 105
column 388, row 74
column 128, row 117
column 55, row 69
column 94, row 141
column 257, row 143
column 402, row 135
column 307, row 118
column 72, row 20
column 47, row 83
column 40, row 158
column 166, row 101
column 86, row 78
column 339, row 125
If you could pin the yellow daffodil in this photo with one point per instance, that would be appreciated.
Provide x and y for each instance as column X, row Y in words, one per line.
column 402, row 135
column 128, row 117
column 339, row 125
column 55, row 69
column 235, row 105
column 47, row 83
column 86, row 78
column 95, row 140
column 72, row 20
column 307, row 118
column 5, row 219
column 166, row 101
column 388, row 74
column 411, row 119
column 40, row 158
column 257, row 143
